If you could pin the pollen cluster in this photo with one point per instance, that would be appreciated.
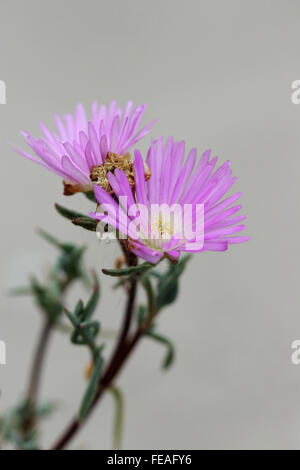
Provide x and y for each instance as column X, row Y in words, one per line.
column 98, row 173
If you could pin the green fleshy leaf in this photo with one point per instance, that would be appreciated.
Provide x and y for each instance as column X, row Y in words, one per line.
column 86, row 222
column 67, row 213
column 141, row 314
column 46, row 300
column 85, row 330
column 167, row 292
column 170, row 355
column 147, row 284
column 66, row 248
column 72, row 318
column 156, row 274
column 85, row 333
column 92, row 387
column 49, row 238
column 84, row 313
column 79, row 308
column 70, row 262
column 168, row 285
column 93, row 301
column 91, row 196
column 140, row 269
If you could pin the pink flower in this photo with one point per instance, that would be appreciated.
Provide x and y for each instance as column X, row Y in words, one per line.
column 78, row 145
column 173, row 180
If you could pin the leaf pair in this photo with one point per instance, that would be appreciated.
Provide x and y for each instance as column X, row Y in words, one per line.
column 12, row 424
column 170, row 354
column 93, row 386
column 77, row 218
column 85, row 330
column 151, row 333
column 47, row 299
column 69, row 263
column 130, row 271
column 168, row 283
column 166, row 293
column 67, row 268
column 85, row 333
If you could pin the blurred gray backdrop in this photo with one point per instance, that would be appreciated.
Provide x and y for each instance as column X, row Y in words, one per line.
column 219, row 75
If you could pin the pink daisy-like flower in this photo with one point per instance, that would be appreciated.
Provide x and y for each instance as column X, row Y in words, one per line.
column 138, row 215
column 79, row 146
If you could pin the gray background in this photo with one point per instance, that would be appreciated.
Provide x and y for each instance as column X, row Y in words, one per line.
column 219, row 75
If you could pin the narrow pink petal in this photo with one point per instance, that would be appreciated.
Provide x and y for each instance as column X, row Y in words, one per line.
column 103, row 197
column 114, row 184
column 124, row 186
column 152, row 182
column 114, row 132
column 120, row 149
column 73, row 171
column 75, row 157
column 144, row 131
column 61, row 128
column 223, row 205
column 221, row 215
column 234, row 240
column 223, row 232
column 30, row 157
column 226, row 222
column 103, row 148
column 147, row 254
column 221, row 192
column 95, row 150
column 81, row 120
column 83, row 139
column 166, row 170
column 139, row 176
column 49, row 136
column 89, row 156
column 215, row 246
column 70, row 127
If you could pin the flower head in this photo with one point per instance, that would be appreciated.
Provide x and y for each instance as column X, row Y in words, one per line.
column 79, row 149
column 180, row 208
